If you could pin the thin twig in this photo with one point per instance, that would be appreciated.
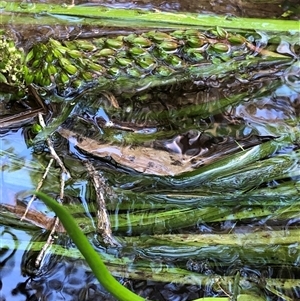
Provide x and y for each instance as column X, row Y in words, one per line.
column 65, row 172
column 103, row 223
column 47, row 244
column 38, row 188
column 65, row 175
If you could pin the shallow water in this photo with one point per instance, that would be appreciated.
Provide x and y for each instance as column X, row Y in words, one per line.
column 59, row 277
column 143, row 199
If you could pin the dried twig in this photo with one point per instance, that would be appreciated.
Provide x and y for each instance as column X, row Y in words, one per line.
column 65, row 175
column 49, row 242
column 37, row 188
column 103, row 223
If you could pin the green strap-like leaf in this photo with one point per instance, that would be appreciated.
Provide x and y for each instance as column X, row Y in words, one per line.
column 90, row 255
column 101, row 15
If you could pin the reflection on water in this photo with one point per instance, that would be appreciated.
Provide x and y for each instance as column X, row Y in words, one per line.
column 13, row 282
column 257, row 248
column 219, row 160
column 66, row 280
column 15, row 169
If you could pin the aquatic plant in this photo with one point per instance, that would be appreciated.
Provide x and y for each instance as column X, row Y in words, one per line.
column 123, row 294
column 90, row 255
column 11, row 63
column 227, row 190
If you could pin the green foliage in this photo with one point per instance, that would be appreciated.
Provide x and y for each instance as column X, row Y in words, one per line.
column 102, row 15
column 11, row 63
column 92, row 258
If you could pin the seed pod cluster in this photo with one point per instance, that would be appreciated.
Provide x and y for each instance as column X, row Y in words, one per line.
column 11, row 63
column 74, row 63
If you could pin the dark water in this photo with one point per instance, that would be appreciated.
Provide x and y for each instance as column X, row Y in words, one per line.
column 143, row 263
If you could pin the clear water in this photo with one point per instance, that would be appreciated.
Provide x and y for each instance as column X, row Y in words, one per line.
column 151, row 266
